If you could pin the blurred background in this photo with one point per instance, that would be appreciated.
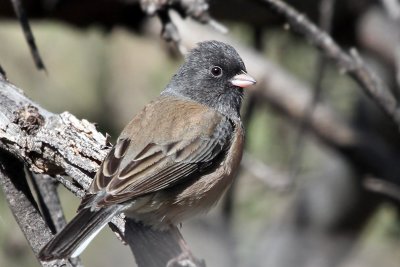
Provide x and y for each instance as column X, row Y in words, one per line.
column 299, row 200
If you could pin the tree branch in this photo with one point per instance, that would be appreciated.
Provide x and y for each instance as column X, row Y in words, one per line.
column 325, row 22
column 58, row 145
column 286, row 94
column 351, row 62
column 22, row 205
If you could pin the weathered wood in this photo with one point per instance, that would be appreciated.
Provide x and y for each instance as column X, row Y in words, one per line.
column 61, row 145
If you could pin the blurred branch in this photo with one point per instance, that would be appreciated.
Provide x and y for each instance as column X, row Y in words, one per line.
column 325, row 22
column 347, row 62
column 197, row 10
column 30, row 39
column 373, row 38
column 392, row 8
column 383, row 187
column 3, row 76
column 289, row 96
column 274, row 179
column 58, row 145
column 397, row 60
column 277, row 87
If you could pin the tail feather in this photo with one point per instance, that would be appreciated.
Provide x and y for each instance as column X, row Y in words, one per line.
column 78, row 233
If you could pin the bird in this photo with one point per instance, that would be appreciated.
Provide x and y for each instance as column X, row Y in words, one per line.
column 175, row 158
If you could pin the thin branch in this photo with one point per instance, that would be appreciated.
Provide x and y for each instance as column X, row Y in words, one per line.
column 40, row 189
column 47, row 192
column 75, row 190
column 276, row 87
column 290, row 97
column 30, row 39
column 325, row 22
column 3, row 76
column 348, row 62
column 274, row 179
column 21, row 203
column 50, row 205
column 392, row 8
column 383, row 187
column 197, row 10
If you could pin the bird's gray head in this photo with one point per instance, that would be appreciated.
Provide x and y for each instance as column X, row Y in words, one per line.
column 214, row 75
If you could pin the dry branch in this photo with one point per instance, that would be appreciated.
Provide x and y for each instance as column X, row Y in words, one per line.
column 61, row 144
column 21, row 203
column 348, row 62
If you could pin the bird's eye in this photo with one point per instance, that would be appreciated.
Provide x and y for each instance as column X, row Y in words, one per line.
column 216, row 71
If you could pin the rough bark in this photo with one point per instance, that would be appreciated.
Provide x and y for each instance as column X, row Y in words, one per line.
column 61, row 145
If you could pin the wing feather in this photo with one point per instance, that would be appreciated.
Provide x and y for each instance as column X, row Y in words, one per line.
column 133, row 169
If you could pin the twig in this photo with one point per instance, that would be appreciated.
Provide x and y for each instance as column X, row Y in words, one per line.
column 169, row 31
column 47, row 189
column 383, row 187
column 392, row 8
column 40, row 188
column 30, row 39
column 3, row 76
column 290, row 97
column 78, row 192
column 197, row 10
column 274, row 179
column 325, row 21
column 347, row 62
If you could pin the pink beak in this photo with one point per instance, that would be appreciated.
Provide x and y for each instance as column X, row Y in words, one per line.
column 243, row 80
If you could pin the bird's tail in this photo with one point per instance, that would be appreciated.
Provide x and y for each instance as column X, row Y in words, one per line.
column 78, row 233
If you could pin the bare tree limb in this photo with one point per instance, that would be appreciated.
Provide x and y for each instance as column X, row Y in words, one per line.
column 347, row 62
column 58, row 145
column 289, row 96
column 20, row 200
column 325, row 22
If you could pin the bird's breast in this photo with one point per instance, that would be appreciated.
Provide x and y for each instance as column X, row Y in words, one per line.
column 176, row 204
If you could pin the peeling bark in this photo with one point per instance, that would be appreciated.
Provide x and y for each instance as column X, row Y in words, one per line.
column 61, row 145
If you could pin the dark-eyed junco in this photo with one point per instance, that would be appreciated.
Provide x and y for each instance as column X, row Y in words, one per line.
column 175, row 158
